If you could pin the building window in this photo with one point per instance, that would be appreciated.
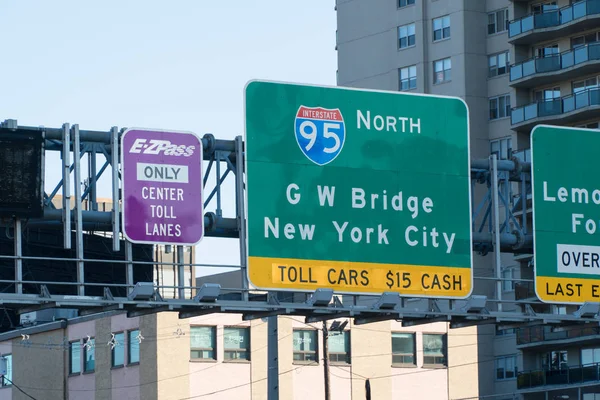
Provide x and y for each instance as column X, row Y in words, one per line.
column 305, row 345
column 339, row 347
column 498, row 21
column 500, row 107
column 546, row 6
column 555, row 361
column 89, row 356
column 408, row 78
column 506, row 368
column 133, row 351
column 406, row 36
column 502, row 148
column 442, row 70
column 404, row 3
column 236, row 344
column 498, row 64
column 505, row 332
column 586, row 84
column 403, row 349
column 118, row 351
column 590, row 38
column 203, row 342
column 7, row 379
column 434, row 350
column 508, row 284
column 546, row 51
column 590, row 356
column 546, row 94
column 441, row 28
column 75, row 357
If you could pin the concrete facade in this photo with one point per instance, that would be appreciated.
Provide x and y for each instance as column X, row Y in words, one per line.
column 167, row 371
column 539, row 37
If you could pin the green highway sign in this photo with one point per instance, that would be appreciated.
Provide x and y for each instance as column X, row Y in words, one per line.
column 566, row 214
column 360, row 191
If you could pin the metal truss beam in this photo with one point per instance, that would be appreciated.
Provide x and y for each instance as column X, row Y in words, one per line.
column 499, row 222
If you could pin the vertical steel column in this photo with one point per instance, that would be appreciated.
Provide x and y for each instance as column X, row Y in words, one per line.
column 219, row 211
column 180, row 273
column 129, row 259
column 524, row 202
column 273, row 360
column 66, row 186
column 241, row 211
column 18, row 260
column 114, row 150
column 92, row 199
column 326, row 361
column 78, row 215
column 496, row 233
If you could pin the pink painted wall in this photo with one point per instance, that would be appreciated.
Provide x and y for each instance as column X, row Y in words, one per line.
column 82, row 386
column 208, row 377
column 125, row 380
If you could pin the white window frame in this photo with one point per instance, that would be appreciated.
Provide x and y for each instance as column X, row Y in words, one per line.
column 508, row 285
column 406, row 3
column 408, row 28
column 409, row 79
column 504, row 146
column 444, row 22
column 494, row 61
column 503, row 18
column 506, row 363
column 501, row 112
column 442, row 71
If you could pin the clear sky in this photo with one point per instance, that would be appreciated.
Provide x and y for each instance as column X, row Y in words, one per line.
column 178, row 64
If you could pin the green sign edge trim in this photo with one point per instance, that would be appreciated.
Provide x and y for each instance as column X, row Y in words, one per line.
column 345, row 88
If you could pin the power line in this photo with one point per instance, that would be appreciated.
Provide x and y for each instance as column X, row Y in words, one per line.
column 20, row 390
column 238, row 386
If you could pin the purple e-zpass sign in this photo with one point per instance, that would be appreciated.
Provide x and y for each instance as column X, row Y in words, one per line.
column 162, row 187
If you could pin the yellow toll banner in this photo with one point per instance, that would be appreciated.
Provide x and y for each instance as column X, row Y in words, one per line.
column 419, row 280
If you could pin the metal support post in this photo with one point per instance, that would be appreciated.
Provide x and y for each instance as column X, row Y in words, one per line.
column 92, row 198
column 78, row 215
column 66, row 187
column 326, row 361
column 129, row 273
column 273, row 360
column 524, row 203
column 114, row 147
column 18, row 260
column 218, row 211
column 241, row 211
column 180, row 273
column 496, row 216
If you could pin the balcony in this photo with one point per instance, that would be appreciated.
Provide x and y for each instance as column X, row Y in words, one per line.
column 564, row 110
column 544, row 336
column 567, row 375
column 551, row 24
column 566, row 65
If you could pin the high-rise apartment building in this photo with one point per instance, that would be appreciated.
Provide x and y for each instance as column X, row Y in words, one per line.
column 516, row 63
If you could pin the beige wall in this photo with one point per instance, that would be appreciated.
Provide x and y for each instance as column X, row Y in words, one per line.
column 172, row 357
column 40, row 371
column 166, row 371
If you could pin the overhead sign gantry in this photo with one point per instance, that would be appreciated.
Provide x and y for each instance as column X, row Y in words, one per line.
column 359, row 191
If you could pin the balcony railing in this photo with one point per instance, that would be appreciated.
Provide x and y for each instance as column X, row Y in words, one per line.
column 536, row 334
column 575, row 101
column 571, row 375
column 553, row 17
column 555, row 62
